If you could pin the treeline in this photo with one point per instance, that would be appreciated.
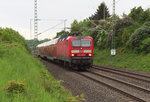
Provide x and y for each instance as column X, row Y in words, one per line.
column 34, row 42
column 8, row 35
column 131, row 30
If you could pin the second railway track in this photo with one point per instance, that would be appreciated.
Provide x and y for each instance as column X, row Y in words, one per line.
column 124, row 74
column 134, row 92
column 131, row 91
column 113, row 70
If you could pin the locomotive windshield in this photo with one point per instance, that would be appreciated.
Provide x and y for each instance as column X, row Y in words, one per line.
column 82, row 42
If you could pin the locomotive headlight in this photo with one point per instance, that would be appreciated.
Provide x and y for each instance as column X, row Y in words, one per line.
column 72, row 54
column 90, row 54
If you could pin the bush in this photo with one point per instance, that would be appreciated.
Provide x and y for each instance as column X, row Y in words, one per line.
column 119, row 27
column 127, row 32
column 15, row 87
column 139, row 36
column 10, row 35
column 145, row 45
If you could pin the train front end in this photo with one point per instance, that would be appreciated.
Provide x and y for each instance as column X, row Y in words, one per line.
column 81, row 52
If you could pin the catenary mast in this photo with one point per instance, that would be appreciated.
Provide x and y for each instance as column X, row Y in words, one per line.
column 35, row 20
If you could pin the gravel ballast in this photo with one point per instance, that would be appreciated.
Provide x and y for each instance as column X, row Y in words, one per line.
column 78, row 84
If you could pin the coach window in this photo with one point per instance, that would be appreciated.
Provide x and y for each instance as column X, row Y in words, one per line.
column 67, row 42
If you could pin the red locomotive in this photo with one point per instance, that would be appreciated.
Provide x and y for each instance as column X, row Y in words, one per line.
column 75, row 51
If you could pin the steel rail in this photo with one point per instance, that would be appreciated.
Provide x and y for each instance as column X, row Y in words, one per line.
column 121, row 74
column 122, row 82
column 119, row 70
column 113, row 88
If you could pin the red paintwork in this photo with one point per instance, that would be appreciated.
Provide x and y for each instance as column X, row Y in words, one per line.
column 80, row 48
column 63, row 48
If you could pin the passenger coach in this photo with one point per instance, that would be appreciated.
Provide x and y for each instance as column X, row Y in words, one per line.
column 74, row 51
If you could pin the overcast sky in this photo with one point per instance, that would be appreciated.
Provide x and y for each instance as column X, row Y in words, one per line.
column 16, row 14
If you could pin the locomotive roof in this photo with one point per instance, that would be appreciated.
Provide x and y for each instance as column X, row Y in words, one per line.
column 67, row 37
column 51, row 42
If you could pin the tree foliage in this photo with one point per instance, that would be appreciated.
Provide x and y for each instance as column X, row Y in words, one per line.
column 130, row 30
column 80, row 26
column 139, row 15
column 61, row 33
column 139, row 38
column 9, row 35
column 101, row 13
column 33, row 43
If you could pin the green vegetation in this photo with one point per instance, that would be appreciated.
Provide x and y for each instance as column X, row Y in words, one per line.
column 10, row 35
column 24, row 78
column 61, row 33
column 101, row 13
column 17, row 67
column 33, row 43
column 124, row 59
column 131, row 33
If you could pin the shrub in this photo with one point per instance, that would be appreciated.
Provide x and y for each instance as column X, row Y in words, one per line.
column 119, row 27
column 127, row 32
column 10, row 35
column 15, row 87
column 145, row 45
column 138, row 36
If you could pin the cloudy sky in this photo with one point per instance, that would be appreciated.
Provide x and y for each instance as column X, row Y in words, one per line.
column 16, row 14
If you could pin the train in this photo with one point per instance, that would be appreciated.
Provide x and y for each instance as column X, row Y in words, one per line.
column 73, row 50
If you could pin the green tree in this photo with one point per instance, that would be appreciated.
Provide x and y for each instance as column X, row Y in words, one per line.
column 10, row 35
column 138, row 38
column 61, row 33
column 101, row 13
column 33, row 43
column 82, row 26
column 75, row 26
column 136, row 14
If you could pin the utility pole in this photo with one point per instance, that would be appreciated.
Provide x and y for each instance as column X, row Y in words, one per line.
column 104, row 12
column 113, row 25
column 113, row 50
column 65, row 24
column 35, row 20
column 31, row 28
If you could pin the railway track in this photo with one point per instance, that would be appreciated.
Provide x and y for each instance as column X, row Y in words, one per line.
column 123, row 73
column 135, row 96
column 130, row 90
column 134, row 92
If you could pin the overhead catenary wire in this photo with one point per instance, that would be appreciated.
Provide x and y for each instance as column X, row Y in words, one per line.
column 50, row 28
column 51, row 20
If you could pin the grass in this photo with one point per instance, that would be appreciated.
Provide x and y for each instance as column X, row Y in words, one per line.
column 125, row 59
column 18, row 66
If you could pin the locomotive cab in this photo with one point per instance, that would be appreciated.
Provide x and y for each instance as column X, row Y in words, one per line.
column 81, row 52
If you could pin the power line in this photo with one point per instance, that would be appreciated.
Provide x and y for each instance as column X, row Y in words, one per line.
column 117, row 1
column 50, row 28
column 52, row 20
